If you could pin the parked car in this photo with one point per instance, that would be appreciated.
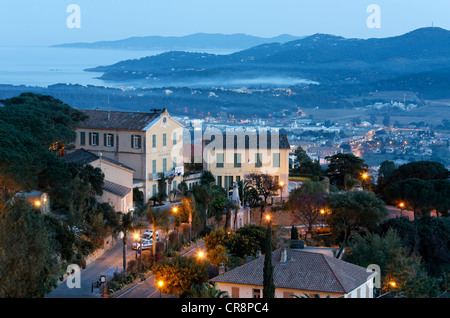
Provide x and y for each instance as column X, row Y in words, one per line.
column 146, row 244
column 149, row 235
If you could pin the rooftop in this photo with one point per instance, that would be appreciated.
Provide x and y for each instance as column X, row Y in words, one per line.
column 303, row 271
column 249, row 141
column 117, row 120
column 85, row 157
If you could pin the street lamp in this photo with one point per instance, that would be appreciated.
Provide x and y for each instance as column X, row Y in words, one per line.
column 402, row 205
column 160, row 284
column 200, row 254
column 136, row 240
column 281, row 190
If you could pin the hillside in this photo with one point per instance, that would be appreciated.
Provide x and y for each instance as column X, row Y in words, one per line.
column 194, row 41
column 321, row 58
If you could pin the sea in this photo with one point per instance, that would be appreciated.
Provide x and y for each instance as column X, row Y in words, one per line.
column 43, row 66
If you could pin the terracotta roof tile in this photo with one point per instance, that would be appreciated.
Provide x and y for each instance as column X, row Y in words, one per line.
column 303, row 271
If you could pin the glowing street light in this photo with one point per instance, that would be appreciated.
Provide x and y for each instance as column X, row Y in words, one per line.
column 160, row 284
column 401, row 205
column 281, row 190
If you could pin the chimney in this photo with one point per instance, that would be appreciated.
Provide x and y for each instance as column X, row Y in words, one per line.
column 221, row 268
column 283, row 257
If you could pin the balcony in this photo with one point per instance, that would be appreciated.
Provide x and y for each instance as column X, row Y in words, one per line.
column 178, row 171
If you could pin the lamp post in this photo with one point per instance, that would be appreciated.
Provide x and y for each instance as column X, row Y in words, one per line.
column 364, row 177
column 322, row 211
column 281, row 191
column 402, row 205
column 136, row 238
column 160, row 284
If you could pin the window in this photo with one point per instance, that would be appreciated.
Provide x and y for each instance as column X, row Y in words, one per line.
column 174, row 162
column 174, row 137
column 93, row 139
column 238, row 179
column 228, row 182
column 258, row 160
column 164, row 140
column 237, row 160
column 82, row 138
column 136, row 141
column 153, row 141
column 108, row 140
column 219, row 160
column 154, row 191
column 154, row 166
column 256, row 293
column 219, row 181
column 164, row 164
column 174, row 184
column 276, row 160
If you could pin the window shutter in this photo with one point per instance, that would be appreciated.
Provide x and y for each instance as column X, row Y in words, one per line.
column 112, row 140
column 104, row 139
column 82, row 138
column 90, row 139
column 139, row 142
column 132, row 141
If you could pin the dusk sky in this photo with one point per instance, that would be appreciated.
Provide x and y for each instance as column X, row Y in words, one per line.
column 30, row 22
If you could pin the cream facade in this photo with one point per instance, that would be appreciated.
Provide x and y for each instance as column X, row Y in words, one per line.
column 232, row 163
column 254, row 291
column 150, row 143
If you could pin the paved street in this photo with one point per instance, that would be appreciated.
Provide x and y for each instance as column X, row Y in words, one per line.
column 105, row 264
column 147, row 288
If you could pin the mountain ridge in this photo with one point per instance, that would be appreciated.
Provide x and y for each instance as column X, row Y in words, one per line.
column 192, row 41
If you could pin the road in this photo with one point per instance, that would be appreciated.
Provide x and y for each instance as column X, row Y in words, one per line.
column 105, row 264
column 148, row 288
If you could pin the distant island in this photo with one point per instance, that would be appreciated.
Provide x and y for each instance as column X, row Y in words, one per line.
column 316, row 59
column 237, row 41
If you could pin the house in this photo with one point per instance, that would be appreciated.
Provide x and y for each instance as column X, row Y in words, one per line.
column 118, row 182
column 149, row 142
column 299, row 272
column 231, row 155
column 37, row 199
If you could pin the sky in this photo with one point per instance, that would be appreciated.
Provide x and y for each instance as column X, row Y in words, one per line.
column 44, row 22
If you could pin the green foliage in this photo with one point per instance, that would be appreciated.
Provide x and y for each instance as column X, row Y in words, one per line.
column 353, row 210
column 61, row 237
column 304, row 165
column 205, row 290
column 31, row 126
column 179, row 274
column 342, row 165
column 26, row 264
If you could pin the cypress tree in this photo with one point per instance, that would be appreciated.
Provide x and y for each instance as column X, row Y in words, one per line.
column 268, row 283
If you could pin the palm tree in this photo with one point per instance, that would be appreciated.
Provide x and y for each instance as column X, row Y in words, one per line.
column 158, row 217
column 205, row 290
column 127, row 223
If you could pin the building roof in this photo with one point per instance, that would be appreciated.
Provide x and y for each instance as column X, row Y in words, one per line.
column 85, row 157
column 115, row 188
column 251, row 140
column 302, row 270
column 117, row 120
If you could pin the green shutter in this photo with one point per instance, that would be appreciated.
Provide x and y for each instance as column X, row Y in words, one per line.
column 132, row 139
column 104, row 139
column 90, row 139
column 112, row 140
column 82, row 138
column 139, row 142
